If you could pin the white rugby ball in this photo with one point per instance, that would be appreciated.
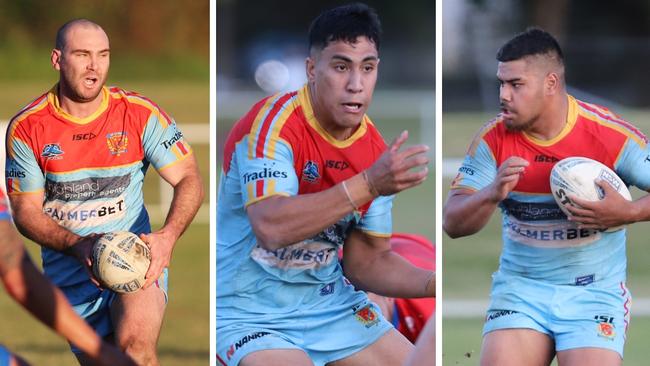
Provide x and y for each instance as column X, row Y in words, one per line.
column 120, row 261
column 577, row 176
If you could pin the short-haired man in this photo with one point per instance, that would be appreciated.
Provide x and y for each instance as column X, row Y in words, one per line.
column 560, row 288
column 305, row 173
column 76, row 159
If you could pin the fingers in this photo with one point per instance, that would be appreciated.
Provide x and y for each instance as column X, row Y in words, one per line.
column 155, row 269
column 398, row 141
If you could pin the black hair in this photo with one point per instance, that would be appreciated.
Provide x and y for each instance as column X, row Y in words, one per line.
column 533, row 41
column 345, row 23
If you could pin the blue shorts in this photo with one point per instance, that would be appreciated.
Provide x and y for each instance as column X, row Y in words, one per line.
column 96, row 309
column 574, row 316
column 5, row 356
column 327, row 336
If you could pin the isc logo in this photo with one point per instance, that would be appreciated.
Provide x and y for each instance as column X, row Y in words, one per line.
column 83, row 136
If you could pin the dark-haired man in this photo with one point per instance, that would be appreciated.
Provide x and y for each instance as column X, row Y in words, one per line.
column 305, row 173
column 560, row 288
column 76, row 160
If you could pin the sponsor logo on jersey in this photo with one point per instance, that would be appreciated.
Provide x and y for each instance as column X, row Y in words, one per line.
column 310, row 172
column 87, row 188
column 74, row 215
column 337, row 164
column 15, row 173
column 83, row 136
column 367, row 316
column 240, row 343
column 585, row 280
column 52, row 151
column 605, row 326
column 327, row 289
column 498, row 313
column 174, row 139
column 545, row 159
column 532, row 211
column 117, row 142
column 266, row 172
column 303, row 255
column 466, row 170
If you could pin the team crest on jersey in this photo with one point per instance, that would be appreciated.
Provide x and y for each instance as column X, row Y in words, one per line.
column 367, row 316
column 117, row 142
column 52, row 151
column 310, row 172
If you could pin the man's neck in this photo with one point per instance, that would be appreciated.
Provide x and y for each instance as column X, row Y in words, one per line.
column 78, row 109
column 551, row 123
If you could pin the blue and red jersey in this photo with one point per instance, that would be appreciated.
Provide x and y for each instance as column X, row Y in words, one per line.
column 539, row 241
column 90, row 170
column 279, row 148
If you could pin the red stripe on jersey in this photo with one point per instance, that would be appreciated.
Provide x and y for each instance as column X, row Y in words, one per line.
column 221, row 361
column 241, row 129
column 181, row 147
column 266, row 125
column 31, row 105
column 259, row 188
column 10, row 185
column 614, row 119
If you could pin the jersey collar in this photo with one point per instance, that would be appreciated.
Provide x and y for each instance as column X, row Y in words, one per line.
column 305, row 102
column 53, row 99
column 572, row 117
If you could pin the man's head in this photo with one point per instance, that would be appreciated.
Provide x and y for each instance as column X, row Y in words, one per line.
column 342, row 65
column 82, row 57
column 531, row 74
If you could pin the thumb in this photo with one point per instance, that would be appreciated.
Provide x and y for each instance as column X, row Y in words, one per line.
column 399, row 140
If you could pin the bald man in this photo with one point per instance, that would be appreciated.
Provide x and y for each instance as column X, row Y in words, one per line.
column 76, row 160
column 560, row 287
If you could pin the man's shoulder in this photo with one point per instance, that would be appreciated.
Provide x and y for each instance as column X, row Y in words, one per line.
column 36, row 107
column 136, row 101
column 607, row 122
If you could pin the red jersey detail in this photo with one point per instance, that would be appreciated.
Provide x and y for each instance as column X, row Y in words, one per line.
column 259, row 188
column 266, row 124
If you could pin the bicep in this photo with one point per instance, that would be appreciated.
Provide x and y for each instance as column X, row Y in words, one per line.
column 174, row 173
column 361, row 248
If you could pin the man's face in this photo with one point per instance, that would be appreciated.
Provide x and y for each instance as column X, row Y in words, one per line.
column 83, row 63
column 342, row 78
column 521, row 94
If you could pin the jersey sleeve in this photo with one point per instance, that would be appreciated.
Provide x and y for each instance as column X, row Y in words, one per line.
column 478, row 169
column 22, row 172
column 378, row 220
column 271, row 174
column 163, row 141
column 633, row 164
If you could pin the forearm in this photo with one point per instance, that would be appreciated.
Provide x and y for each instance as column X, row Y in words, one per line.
column 281, row 221
column 188, row 196
column 27, row 286
column 640, row 210
column 389, row 274
column 466, row 214
column 40, row 228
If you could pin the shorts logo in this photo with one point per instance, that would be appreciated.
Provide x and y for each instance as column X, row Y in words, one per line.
column 605, row 326
column 117, row 142
column 52, row 151
column 327, row 289
column 367, row 316
column 310, row 172
column 497, row 314
column 240, row 343
column 585, row 280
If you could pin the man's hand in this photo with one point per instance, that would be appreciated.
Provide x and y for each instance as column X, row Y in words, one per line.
column 161, row 245
column 507, row 178
column 82, row 250
column 392, row 173
column 612, row 211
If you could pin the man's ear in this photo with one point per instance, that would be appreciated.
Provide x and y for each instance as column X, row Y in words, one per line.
column 310, row 69
column 552, row 83
column 55, row 58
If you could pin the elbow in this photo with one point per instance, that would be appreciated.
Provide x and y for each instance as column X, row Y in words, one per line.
column 451, row 227
column 266, row 237
column 15, row 285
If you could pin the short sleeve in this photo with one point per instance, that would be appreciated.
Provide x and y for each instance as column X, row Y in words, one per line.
column 22, row 172
column 633, row 164
column 478, row 170
column 378, row 220
column 163, row 141
column 271, row 174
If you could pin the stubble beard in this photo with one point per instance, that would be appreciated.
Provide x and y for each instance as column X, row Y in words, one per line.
column 66, row 87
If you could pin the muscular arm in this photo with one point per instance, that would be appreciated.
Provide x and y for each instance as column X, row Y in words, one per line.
column 466, row 211
column 28, row 287
column 371, row 265
column 188, row 194
column 280, row 221
column 36, row 225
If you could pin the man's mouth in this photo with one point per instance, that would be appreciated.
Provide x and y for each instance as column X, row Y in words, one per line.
column 90, row 81
column 352, row 107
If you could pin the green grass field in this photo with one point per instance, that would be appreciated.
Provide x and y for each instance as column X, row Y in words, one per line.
column 184, row 338
column 468, row 262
